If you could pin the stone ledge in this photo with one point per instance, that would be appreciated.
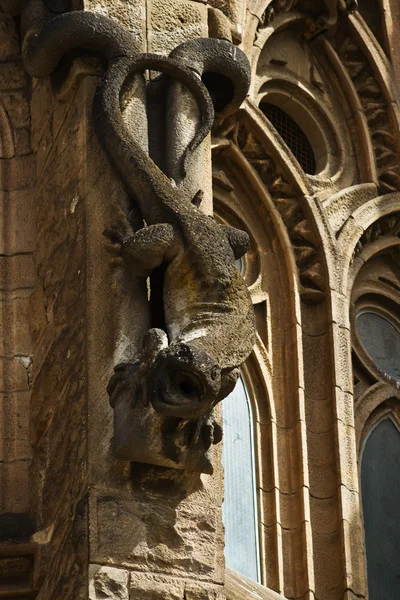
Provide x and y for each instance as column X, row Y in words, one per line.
column 241, row 588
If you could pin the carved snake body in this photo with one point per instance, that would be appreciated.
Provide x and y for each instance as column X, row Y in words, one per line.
column 208, row 310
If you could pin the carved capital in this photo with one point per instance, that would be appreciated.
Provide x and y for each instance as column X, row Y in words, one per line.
column 289, row 203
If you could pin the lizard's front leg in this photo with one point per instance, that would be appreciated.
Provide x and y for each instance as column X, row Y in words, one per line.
column 238, row 240
column 145, row 249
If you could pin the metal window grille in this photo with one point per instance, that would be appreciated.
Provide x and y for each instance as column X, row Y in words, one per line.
column 293, row 135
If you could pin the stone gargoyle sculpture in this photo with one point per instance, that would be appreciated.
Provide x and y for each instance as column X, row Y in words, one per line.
column 163, row 400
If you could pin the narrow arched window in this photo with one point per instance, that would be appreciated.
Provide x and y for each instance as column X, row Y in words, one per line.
column 380, row 484
column 240, row 507
column 381, row 339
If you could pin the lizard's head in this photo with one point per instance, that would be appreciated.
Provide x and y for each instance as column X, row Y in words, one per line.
column 184, row 381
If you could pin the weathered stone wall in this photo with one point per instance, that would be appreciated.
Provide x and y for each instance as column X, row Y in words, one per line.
column 58, row 418
column 17, row 240
column 17, row 280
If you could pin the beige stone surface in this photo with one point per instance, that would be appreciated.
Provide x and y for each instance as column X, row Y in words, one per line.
column 58, row 412
column 14, row 419
column 132, row 15
column 14, row 477
column 154, row 587
column 108, row 583
column 184, row 541
column 172, row 22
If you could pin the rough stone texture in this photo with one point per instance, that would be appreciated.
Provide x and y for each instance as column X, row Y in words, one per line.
column 174, row 22
column 14, row 103
column 184, row 541
column 108, row 583
column 187, row 374
column 132, row 15
column 165, row 588
column 124, row 494
column 58, row 414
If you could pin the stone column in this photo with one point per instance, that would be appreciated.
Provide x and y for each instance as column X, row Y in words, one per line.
column 155, row 533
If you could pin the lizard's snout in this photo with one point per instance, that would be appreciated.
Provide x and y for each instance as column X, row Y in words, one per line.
column 184, row 381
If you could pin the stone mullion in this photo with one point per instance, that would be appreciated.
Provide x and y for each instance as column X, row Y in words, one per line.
column 321, row 498
column 347, row 464
column 349, row 507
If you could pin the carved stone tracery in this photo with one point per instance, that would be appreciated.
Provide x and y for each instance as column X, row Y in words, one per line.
column 375, row 108
column 376, row 290
column 388, row 225
column 318, row 16
column 288, row 203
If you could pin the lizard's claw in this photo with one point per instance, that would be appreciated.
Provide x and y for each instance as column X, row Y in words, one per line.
column 117, row 233
column 118, row 261
column 114, row 248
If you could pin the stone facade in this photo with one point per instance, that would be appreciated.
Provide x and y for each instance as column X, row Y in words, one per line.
column 76, row 523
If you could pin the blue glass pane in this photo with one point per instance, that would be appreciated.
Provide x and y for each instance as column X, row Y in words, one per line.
column 240, row 265
column 380, row 483
column 239, row 508
column 382, row 342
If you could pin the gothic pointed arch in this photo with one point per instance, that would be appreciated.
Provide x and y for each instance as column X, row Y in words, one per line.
column 260, row 187
column 369, row 78
column 304, row 74
column 370, row 246
column 242, row 200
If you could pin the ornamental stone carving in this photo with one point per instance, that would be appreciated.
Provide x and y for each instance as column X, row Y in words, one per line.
column 320, row 15
column 163, row 400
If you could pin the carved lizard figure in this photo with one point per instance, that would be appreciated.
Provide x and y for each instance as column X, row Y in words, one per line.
column 208, row 310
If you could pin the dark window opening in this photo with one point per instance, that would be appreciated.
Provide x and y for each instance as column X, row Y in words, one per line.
column 371, row 12
column 292, row 135
column 381, row 340
column 380, row 484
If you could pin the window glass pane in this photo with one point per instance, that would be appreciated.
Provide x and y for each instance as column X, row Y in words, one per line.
column 380, row 483
column 239, row 508
column 382, row 342
column 240, row 264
